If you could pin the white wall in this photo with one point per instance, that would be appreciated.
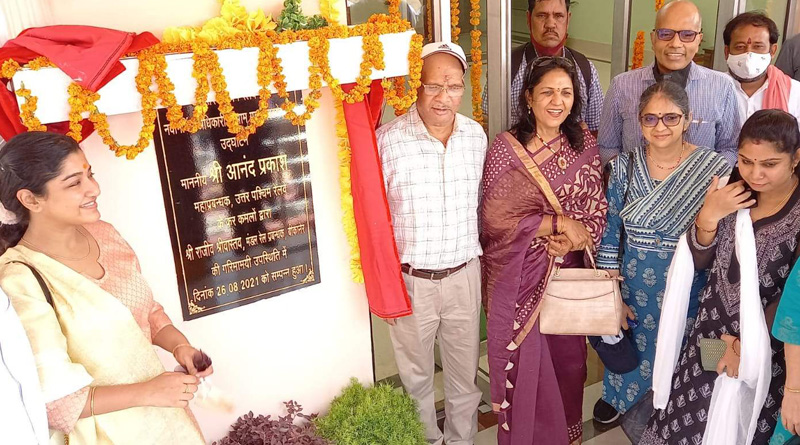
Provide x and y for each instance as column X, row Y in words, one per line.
column 301, row 346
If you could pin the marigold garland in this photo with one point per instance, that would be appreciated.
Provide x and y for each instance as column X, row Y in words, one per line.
column 28, row 107
column 394, row 8
column 659, row 4
column 395, row 90
column 83, row 100
column 638, row 51
column 10, row 67
column 348, row 217
column 373, row 59
column 477, row 61
column 177, row 121
column 455, row 31
column 28, row 110
column 428, row 22
column 209, row 75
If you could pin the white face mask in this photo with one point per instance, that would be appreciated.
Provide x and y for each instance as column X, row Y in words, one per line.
column 749, row 65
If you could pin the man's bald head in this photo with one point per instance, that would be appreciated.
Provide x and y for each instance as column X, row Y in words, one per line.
column 672, row 53
column 683, row 8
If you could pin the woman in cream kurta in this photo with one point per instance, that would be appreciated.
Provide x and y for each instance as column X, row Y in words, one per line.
column 100, row 377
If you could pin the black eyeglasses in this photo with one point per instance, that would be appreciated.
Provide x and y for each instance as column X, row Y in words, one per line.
column 669, row 119
column 686, row 35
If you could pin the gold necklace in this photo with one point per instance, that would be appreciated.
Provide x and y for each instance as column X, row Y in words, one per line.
column 561, row 160
column 680, row 158
column 35, row 247
column 784, row 200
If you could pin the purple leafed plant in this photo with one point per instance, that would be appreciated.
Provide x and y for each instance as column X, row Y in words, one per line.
column 259, row 430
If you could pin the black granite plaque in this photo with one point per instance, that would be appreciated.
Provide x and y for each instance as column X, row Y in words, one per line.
column 240, row 212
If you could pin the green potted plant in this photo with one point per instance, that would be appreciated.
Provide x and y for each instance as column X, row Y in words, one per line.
column 377, row 415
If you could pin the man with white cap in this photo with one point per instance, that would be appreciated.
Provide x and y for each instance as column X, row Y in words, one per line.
column 432, row 159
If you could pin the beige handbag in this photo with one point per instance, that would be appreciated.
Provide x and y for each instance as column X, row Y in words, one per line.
column 581, row 302
column 576, row 301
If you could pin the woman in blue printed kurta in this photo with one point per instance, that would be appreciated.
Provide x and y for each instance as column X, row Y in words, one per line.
column 786, row 328
column 647, row 214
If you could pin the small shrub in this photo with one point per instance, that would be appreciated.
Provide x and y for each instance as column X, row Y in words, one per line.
column 260, row 430
column 378, row 415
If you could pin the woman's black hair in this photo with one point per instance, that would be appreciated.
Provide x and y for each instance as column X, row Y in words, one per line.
column 774, row 126
column 671, row 90
column 28, row 161
column 525, row 129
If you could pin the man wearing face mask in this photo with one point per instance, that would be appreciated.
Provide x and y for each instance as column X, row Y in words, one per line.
column 548, row 21
column 432, row 161
column 751, row 40
column 676, row 39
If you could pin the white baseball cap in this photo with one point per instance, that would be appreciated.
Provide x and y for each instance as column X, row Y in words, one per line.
column 447, row 48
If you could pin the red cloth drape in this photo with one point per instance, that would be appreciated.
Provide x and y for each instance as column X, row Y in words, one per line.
column 380, row 261
column 89, row 55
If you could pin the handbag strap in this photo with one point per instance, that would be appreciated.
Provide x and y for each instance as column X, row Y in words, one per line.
column 544, row 186
column 45, row 290
column 535, row 173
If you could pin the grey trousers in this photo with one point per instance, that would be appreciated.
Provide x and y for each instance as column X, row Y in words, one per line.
column 450, row 309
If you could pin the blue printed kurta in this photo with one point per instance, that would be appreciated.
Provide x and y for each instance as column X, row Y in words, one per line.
column 786, row 328
column 655, row 215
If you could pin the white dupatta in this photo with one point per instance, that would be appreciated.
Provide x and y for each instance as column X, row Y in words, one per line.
column 736, row 402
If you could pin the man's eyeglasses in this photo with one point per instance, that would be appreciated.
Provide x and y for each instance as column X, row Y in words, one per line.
column 669, row 119
column 452, row 90
column 686, row 35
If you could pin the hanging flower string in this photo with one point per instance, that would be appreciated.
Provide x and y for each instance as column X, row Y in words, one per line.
column 428, row 22
column 394, row 8
column 27, row 110
column 455, row 31
column 638, row 51
column 659, row 4
column 28, row 107
column 209, row 75
column 477, row 60
column 395, row 90
column 82, row 100
column 348, row 217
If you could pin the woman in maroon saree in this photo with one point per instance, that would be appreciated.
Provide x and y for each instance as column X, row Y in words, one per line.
column 537, row 380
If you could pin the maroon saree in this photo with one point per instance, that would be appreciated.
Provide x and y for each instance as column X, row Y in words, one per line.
column 536, row 380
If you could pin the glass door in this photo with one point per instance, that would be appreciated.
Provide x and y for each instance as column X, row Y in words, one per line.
column 776, row 10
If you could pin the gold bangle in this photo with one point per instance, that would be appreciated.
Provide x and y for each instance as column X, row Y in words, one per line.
column 699, row 227
column 91, row 400
column 178, row 346
column 791, row 390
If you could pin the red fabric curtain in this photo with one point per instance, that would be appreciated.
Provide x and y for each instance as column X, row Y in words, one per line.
column 87, row 54
column 380, row 262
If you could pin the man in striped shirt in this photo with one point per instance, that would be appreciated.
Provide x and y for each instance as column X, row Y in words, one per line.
column 432, row 161
column 715, row 116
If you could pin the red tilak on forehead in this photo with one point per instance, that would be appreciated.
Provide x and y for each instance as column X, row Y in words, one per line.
column 749, row 40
